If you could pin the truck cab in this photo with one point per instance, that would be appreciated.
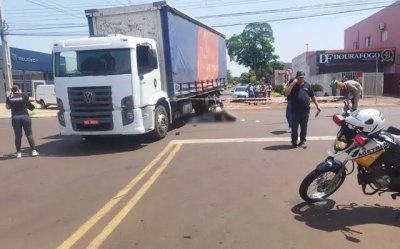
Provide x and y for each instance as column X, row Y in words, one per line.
column 109, row 85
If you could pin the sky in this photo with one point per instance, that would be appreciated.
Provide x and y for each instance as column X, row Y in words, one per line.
column 297, row 25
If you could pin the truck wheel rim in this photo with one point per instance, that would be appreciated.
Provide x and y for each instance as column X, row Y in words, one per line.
column 162, row 122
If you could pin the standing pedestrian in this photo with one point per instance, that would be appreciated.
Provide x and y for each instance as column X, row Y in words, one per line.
column 20, row 119
column 333, row 86
column 251, row 91
column 269, row 89
column 299, row 93
column 289, row 111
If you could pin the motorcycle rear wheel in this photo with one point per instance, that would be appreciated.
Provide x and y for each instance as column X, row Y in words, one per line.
column 326, row 183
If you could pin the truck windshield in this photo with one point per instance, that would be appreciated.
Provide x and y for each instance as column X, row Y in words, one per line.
column 92, row 62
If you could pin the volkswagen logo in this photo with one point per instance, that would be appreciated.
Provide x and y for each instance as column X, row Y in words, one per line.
column 88, row 97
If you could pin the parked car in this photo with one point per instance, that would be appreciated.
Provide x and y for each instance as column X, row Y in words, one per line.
column 45, row 95
column 239, row 93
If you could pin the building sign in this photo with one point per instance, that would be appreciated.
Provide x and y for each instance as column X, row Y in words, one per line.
column 386, row 55
column 28, row 60
column 16, row 57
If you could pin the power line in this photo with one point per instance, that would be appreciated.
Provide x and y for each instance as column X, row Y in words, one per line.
column 48, row 7
column 301, row 17
column 282, row 10
column 53, row 27
column 48, row 34
column 285, row 10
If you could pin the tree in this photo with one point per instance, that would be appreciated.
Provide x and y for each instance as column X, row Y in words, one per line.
column 245, row 78
column 253, row 48
column 229, row 76
column 274, row 65
column 249, row 77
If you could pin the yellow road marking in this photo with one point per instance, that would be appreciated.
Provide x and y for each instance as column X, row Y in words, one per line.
column 83, row 229
column 100, row 238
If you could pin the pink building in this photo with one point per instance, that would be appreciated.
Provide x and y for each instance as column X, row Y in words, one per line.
column 380, row 30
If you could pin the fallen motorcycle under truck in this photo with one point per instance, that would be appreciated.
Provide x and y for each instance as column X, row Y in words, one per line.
column 160, row 66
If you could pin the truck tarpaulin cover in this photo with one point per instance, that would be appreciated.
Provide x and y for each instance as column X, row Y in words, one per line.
column 198, row 56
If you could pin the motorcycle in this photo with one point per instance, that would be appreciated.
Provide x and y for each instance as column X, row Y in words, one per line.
column 363, row 141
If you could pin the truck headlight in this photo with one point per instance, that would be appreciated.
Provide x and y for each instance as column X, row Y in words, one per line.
column 127, row 102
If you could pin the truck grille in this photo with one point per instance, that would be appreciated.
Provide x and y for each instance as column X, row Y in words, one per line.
column 91, row 108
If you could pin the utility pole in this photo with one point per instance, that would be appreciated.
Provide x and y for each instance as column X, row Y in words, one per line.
column 6, row 51
column 376, row 79
column 307, row 47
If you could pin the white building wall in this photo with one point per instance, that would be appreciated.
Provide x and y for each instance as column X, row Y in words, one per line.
column 299, row 63
column 325, row 80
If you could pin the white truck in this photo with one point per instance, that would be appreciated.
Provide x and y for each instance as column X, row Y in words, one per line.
column 143, row 67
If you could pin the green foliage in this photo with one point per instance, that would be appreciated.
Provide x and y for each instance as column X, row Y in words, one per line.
column 253, row 48
column 317, row 88
column 229, row 76
column 236, row 80
column 253, row 79
column 245, row 78
column 279, row 89
column 274, row 65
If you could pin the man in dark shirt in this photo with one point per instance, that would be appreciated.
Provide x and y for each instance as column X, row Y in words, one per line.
column 300, row 93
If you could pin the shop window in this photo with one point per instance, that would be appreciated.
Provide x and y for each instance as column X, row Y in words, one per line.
column 34, row 75
column 384, row 35
column 17, row 75
column 368, row 41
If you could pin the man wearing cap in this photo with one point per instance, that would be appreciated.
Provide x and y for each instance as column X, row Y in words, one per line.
column 352, row 90
column 299, row 93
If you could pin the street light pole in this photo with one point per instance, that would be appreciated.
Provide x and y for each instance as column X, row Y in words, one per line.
column 6, row 51
column 376, row 79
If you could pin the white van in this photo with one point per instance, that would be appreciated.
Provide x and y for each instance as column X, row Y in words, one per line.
column 45, row 95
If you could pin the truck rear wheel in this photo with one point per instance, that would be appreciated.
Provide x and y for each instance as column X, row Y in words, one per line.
column 161, row 123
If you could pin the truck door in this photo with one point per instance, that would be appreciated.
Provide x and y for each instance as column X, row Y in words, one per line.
column 148, row 71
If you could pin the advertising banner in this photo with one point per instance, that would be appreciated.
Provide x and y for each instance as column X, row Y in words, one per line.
column 383, row 55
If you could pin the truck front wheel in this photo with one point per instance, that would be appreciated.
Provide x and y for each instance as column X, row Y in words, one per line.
column 161, row 123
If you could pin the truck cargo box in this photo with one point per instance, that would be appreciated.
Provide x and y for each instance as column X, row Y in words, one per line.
column 192, row 55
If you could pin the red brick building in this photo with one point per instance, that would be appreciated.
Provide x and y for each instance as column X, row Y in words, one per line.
column 380, row 30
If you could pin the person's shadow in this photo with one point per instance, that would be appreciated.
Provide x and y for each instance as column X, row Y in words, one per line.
column 278, row 147
column 278, row 132
column 74, row 146
column 330, row 217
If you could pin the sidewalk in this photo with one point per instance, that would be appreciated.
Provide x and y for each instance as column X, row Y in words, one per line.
column 274, row 103
column 280, row 102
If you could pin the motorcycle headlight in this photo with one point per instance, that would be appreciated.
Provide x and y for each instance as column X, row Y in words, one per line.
column 344, row 138
column 341, row 145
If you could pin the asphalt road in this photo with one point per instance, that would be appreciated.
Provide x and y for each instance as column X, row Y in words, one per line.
column 207, row 185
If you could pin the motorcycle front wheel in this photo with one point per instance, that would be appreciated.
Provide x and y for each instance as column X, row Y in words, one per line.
column 318, row 185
